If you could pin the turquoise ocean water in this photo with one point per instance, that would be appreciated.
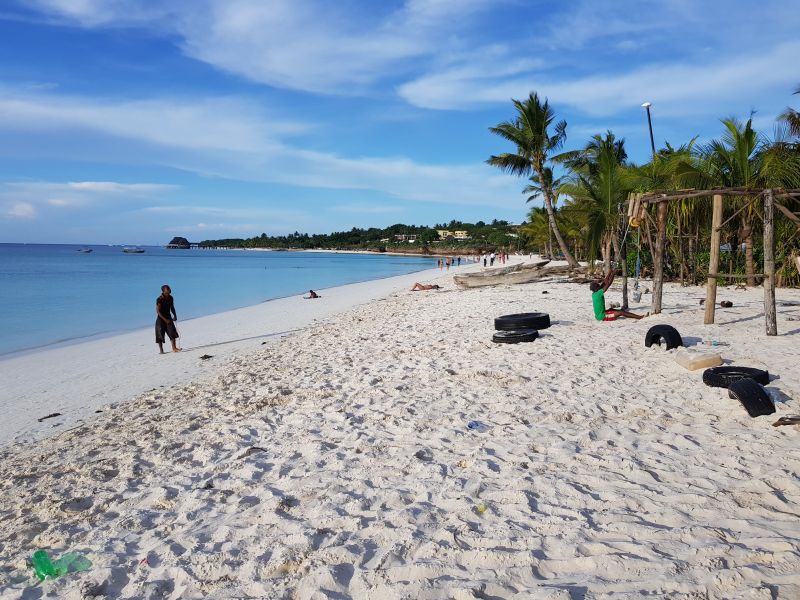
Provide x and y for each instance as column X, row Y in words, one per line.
column 52, row 293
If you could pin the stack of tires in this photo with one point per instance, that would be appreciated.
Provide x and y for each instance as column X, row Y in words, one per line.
column 744, row 384
column 520, row 327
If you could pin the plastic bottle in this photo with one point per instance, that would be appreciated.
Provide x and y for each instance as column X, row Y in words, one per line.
column 43, row 567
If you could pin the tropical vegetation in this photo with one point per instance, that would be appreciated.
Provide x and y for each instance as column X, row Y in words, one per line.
column 395, row 238
column 595, row 182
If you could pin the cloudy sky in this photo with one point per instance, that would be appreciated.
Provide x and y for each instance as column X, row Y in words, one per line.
column 130, row 121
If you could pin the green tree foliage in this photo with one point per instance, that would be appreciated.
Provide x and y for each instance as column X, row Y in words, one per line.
column 530, row 133
column 498, row 234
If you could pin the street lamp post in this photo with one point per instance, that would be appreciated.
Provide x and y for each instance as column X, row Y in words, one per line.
column 661, row 233
column 646, row 106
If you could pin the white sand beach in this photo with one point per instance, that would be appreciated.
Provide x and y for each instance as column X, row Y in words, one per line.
column 336, row 462
column 77, row 379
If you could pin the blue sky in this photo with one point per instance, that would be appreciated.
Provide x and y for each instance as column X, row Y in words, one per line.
column 131, row 121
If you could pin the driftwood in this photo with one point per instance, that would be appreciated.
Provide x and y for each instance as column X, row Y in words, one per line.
column 526, row 274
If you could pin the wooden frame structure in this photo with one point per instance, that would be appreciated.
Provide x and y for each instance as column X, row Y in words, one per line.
column 769, row 196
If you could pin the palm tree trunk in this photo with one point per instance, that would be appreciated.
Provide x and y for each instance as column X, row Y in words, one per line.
column 748, row 256
column 606, row 250
column 551, row 215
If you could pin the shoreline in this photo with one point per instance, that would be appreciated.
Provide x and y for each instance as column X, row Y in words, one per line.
column 78, row 378
column 110, row 334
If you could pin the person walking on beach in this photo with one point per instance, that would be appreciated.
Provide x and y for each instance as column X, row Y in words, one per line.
column 484, row 260
column 598, row 289
column 459, row 261
column 491, row 259
column 165, row 319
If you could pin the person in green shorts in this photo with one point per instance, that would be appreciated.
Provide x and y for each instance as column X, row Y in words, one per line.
column 599, row 288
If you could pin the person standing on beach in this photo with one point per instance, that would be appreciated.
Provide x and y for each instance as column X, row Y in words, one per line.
column 165, row 319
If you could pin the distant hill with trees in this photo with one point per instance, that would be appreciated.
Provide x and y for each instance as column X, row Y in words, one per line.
column 455, row 236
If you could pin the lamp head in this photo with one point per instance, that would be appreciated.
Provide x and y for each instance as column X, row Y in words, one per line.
column 647, row 104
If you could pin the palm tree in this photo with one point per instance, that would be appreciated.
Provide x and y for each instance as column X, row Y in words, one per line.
column 744, row 158
column 536, row 189
column 663, row 173
column 600, row 179
column 792, row 119
column 734, row 160
column 537, row 229
column 530, row 133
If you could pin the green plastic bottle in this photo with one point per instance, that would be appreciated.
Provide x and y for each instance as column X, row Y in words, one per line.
column 43, row 567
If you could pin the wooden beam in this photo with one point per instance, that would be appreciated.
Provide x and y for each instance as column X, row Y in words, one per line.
column 658, row 259
column 693, row 193
column 789, row 214
column 770, row 313
column 713, row 262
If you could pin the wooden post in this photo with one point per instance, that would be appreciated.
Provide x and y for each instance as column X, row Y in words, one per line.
column 769, row 264
column 623, row 256
column 658, row 259
column 713, row 262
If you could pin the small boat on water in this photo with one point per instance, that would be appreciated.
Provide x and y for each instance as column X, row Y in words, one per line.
column 133, row 250
column 84, row 250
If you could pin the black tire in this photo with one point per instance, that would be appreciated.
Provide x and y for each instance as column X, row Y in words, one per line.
column 753, row 397
column 514, row 337
column 535, row 320
column 667, row 333
column 724, row 376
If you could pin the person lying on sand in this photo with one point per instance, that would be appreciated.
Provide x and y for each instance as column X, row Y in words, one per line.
column 599, row 288
column 424, row 286
column 311, row 295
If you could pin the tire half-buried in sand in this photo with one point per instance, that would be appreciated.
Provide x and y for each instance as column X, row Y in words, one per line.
column 753, row 397
column 724, row 376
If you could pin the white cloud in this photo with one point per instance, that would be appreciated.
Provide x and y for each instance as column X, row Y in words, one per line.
column 205, row 228
column 675, row 88
column 307, row 45
column 372, row 209
column 221, row 139
column 21, row 210
column 26, row 199
column 227, row 124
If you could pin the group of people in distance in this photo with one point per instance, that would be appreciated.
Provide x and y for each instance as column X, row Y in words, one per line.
column 448, row 261
column 488, row 259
